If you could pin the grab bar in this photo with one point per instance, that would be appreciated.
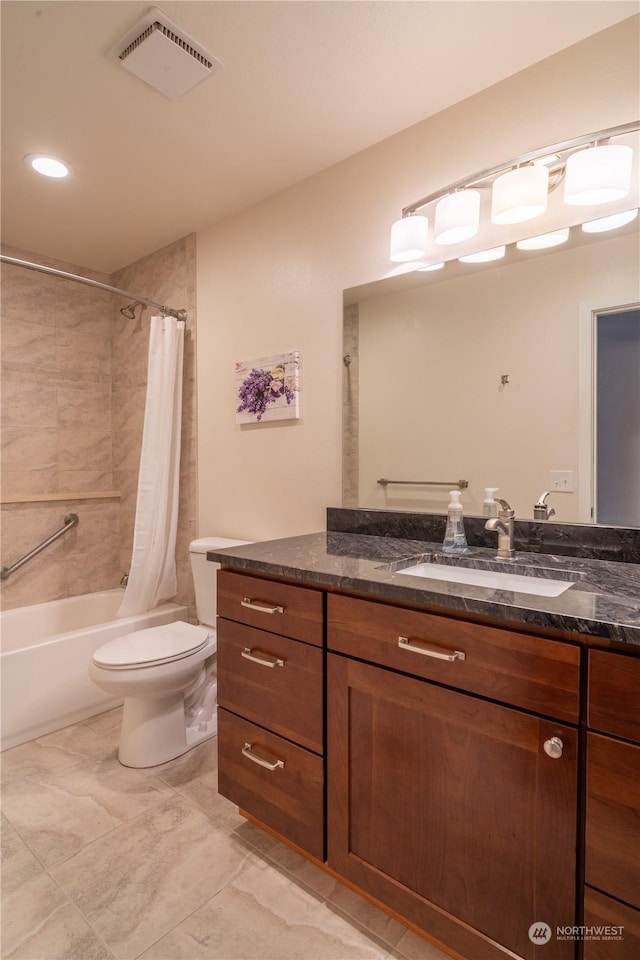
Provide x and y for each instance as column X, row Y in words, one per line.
column 71, row 520
column 463, row 484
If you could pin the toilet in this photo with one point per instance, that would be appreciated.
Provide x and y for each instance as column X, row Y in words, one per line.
column 167, row 674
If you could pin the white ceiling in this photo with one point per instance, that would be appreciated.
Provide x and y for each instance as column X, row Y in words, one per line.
column 305, row 84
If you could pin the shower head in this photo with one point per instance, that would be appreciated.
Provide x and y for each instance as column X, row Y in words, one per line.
column 130, row 310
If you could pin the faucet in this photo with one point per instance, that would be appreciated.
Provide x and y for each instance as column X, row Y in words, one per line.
column 124, row 580
column 540, row 508
column 504, row 523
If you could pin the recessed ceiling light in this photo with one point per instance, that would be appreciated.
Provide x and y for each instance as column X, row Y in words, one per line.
column 484, row 256
column 611, row 222
column 48, row 166
column 544, row 240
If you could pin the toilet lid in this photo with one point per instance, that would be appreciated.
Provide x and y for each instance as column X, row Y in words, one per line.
column 173, row 641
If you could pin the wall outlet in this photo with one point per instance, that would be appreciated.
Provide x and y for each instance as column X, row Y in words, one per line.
column 562, row 481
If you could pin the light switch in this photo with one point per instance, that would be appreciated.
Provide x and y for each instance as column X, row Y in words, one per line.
column 562, row 481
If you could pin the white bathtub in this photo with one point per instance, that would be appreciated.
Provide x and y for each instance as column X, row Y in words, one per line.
column 46, row 651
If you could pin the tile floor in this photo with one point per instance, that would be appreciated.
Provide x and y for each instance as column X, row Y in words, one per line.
column 100, row 861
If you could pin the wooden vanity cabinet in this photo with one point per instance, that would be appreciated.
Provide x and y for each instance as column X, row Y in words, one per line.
column 612, row 830
column 442, row 803
column 271, row 705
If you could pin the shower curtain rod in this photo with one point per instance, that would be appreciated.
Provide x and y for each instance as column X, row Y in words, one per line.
column 40, row 268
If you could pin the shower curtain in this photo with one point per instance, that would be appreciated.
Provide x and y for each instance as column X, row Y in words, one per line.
column 152, row 576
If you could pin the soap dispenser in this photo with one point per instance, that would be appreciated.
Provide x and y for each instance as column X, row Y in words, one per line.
column 489, row 505
column 455, row 540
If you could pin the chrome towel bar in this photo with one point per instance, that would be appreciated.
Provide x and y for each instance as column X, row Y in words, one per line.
column 463, row 484
column 71, row 520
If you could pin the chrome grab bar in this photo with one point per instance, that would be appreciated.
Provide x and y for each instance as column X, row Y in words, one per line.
column 71, row 520
column 463, row 484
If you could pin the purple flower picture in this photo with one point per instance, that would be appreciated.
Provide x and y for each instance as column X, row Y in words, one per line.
column 268, row 389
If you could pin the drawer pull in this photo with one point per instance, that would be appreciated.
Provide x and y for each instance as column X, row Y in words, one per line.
column 247, row 751
column 260, row 607
column 265, row 659
column 553, row 748
column 430, row 650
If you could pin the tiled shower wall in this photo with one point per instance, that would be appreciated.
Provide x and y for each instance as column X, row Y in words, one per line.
column 73, row 390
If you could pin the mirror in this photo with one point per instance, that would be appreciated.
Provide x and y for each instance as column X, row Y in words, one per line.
column 485, row 374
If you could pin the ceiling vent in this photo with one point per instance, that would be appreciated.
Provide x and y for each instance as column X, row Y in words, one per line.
column 159, row 52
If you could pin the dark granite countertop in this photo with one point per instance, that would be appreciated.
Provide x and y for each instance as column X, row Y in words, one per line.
column 604, row 600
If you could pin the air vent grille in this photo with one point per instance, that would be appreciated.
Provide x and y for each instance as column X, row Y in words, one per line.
column 170, row 35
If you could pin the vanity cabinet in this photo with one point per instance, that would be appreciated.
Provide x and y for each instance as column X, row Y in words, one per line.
column 452, row 773
column 612, row 831
column 271, row 705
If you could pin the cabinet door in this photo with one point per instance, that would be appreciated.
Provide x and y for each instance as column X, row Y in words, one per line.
column 448, row 809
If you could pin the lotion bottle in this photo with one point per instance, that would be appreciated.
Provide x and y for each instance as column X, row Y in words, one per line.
column 455, row 540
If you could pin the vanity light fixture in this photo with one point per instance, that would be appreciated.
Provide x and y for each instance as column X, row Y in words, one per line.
column 409, row 239
column 544, row 240
column 431, row 266
column 594, row 170
column 598, row 174
column 457, row 217
column 611, row 222
column 48, row 166
column 520, row 194
column 484, row 256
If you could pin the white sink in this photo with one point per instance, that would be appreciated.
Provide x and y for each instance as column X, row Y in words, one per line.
column 539, row 586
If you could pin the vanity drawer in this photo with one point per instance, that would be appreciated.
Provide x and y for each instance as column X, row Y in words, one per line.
column 287, row 795
column 269, row 605
column 537, row 674
column 600, row 911
column 273, row 681
column 614, row 694
column 612, row 861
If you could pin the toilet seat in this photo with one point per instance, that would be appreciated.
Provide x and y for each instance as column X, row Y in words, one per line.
column 152, row 646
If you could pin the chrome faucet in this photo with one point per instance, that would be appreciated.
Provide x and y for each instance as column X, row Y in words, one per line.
column 541, row 509
column 504, row 523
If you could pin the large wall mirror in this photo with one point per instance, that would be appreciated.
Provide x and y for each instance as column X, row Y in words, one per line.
column 522, row 374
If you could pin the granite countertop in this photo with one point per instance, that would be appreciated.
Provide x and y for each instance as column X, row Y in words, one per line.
column 604, row 600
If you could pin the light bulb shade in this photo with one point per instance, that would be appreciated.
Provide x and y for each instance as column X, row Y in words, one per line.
column 598, row 174
column 544, row 240
column 457, row 217
column 484, row 256
column 520, row 194
column 612, row 222
column 409, row 239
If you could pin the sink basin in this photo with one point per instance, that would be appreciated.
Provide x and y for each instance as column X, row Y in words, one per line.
column 492, row 579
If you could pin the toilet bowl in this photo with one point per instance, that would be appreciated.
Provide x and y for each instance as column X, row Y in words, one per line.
column 167, row 675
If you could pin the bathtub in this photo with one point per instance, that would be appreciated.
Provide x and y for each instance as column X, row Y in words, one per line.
column 46, row 650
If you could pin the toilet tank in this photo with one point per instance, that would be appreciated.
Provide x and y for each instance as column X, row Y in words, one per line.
column 204, row 574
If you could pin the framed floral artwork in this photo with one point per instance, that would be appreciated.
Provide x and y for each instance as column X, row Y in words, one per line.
column 268, row 389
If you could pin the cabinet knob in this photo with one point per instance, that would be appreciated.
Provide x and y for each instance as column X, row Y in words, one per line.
column 553, row 748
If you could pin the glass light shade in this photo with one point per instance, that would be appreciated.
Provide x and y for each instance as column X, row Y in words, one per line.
column 544, row 240
column 408, row 239
column 520, row 194
column 457, row 217
column 484, row 256
column 48, row 166
column 610, row 222
column 598, row 174
column 431, row 266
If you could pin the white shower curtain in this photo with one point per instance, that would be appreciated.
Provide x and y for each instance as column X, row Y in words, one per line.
column 152, row 576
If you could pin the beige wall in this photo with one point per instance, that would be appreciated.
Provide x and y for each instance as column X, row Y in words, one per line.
column 432, row 405
column 73, row 393
column 271, row 278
